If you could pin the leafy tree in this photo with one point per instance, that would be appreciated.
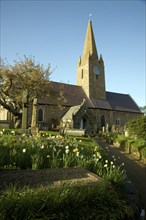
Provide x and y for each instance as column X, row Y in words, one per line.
column 143, row 109
column 137, row 127
column 24, row 74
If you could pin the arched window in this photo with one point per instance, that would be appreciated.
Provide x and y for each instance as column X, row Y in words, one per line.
column 102, row 121
column 83, row 123
column 118, row 121
column 40, row 115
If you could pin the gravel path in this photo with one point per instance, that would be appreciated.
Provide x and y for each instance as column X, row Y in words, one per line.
column 136, row 171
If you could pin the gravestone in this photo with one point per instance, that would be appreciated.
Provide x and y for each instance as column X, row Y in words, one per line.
column 34, row 127
column 25, row 109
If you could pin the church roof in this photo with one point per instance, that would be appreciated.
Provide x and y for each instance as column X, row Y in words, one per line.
column 73, row 95
column 122, row 102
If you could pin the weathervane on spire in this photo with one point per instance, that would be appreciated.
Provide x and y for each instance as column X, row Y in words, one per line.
column 90, row 15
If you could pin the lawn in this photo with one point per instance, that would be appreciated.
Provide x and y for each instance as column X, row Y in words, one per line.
column 49, row 150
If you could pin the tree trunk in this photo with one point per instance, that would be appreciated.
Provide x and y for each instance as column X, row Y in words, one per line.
column 17, row 121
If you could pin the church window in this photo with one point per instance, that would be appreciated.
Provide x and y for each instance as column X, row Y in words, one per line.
column 118, row 121
column 82, row 74
column 102, row 121
column 83, row 123
column 40, row 115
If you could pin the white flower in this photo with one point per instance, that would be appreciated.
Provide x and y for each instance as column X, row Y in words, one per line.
column 112, row 163
column 106, row 161
column 12, row 132
column 105, row 165
column 48, row 156
column 1, row 132
column 24, row 150
column 80, row 141
column 98, row 154
column 77, row 154
column 94, row 155
column 113, row 166
column 123, row 164
column 67, row 147
column 113, row 156
column 42, row 146
column 67, row 151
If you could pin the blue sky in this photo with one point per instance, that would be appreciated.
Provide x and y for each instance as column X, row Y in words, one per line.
column 54, row 32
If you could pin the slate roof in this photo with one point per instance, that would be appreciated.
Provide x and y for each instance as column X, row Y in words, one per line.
column 75, row 95
column 122, row 102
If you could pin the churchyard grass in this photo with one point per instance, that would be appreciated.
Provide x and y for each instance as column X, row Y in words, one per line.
column 49, row 150
column 86, row 202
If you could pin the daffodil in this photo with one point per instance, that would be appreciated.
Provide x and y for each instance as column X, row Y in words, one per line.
column 75, row 150
column 67, row 151
column 42, row 146
column 24, row 150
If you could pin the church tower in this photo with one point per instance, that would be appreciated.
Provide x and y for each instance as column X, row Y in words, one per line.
column 90, row 68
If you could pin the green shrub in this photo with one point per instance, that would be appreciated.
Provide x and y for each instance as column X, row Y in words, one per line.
column 137, row 127
column 143, row 153
column 121, row 140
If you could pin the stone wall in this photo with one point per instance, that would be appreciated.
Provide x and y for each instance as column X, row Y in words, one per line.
column 111, row 117
column 52, row 116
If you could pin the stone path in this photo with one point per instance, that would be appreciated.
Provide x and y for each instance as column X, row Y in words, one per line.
column 136, row 171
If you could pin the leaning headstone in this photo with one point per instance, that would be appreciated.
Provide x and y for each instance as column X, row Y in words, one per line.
column 113, row 128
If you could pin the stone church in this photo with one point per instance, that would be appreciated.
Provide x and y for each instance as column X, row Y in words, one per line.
column 86, row 105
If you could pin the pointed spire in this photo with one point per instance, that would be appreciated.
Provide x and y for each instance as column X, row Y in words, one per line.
column 89, row 45
column 101, row 60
